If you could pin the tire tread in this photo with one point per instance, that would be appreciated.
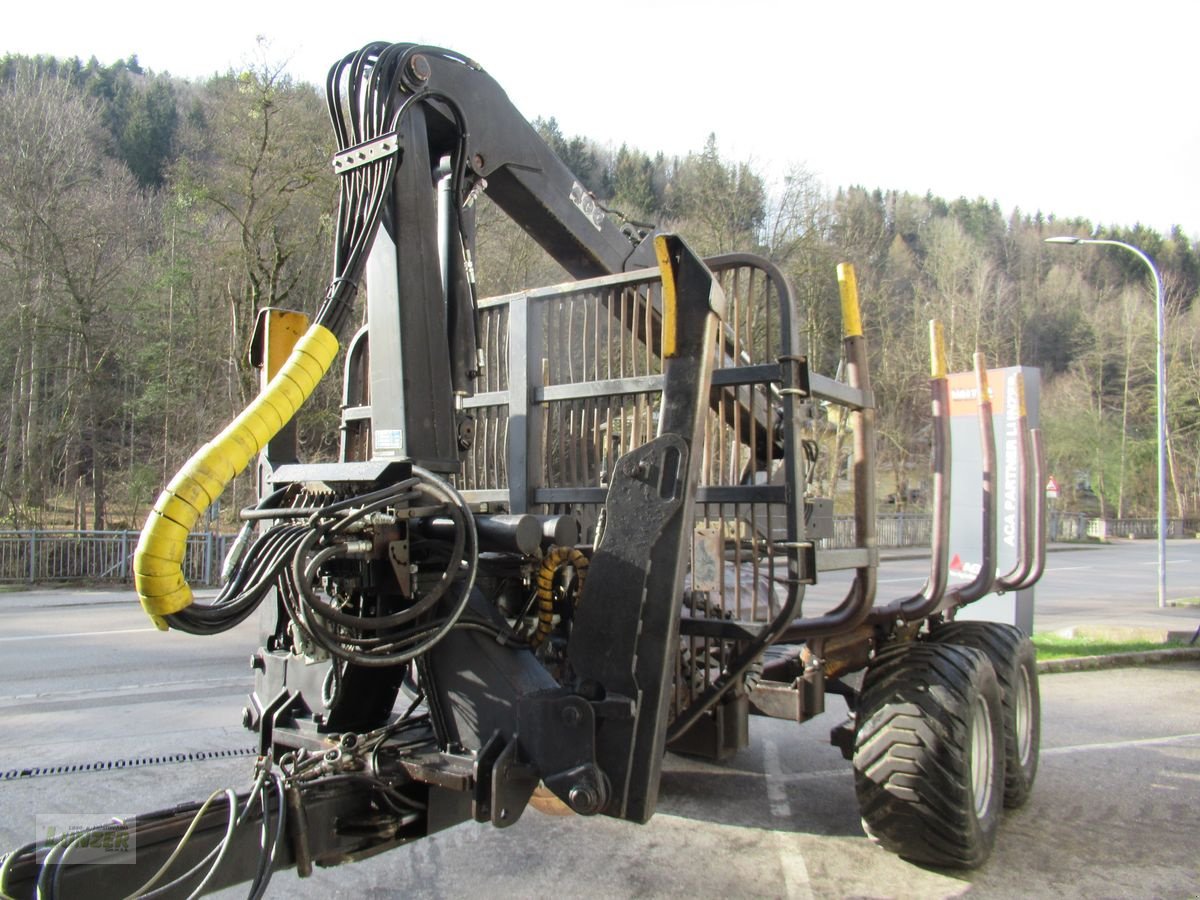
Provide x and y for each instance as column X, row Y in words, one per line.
column 911, row 759
column 1008, row 649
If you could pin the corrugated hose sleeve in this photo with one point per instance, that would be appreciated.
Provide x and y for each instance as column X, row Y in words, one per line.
column 545, row 588
column 158, row 560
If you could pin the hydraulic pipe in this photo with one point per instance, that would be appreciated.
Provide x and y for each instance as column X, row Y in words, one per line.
column 158, row 560
column 857, row 603
column 559, row 531
column 521, row 533
column 1039, row 513
column 922, row 603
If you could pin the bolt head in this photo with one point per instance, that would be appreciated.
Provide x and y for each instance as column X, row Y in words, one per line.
column 583, row 799
column 419, row 67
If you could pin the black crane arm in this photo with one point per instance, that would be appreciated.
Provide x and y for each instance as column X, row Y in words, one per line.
column 398, row 107
column 468, row 112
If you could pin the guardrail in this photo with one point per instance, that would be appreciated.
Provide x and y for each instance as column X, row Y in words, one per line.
column 41, row 555
column 38, row 555
column 1079, row 527
column 914, row 529
column 891, row 530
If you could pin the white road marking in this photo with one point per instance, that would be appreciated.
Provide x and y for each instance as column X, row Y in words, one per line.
column 899, row 580
column 125, row 689
column 795, row 872
column 817, row 775
column 1121, row 745
column 1190, row 776
column 73, row 634
column 776, row 792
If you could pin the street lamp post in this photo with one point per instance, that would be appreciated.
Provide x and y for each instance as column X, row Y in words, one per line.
column 1160, row 382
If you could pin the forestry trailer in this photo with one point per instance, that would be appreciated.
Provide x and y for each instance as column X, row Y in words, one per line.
column 570, row 529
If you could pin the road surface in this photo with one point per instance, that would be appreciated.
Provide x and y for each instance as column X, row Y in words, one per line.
column 87, row 684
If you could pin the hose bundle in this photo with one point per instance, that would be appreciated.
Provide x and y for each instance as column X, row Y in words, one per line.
column 365, row 105
column 290, row 555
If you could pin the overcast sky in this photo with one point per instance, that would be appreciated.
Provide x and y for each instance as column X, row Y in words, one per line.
column 1074, row 108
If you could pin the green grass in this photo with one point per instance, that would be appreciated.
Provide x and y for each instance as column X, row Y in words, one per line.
column 1054, row 646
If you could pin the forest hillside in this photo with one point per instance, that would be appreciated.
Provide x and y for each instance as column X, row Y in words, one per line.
column 145, row 219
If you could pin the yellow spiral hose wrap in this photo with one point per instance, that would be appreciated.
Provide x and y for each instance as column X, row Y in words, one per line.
column 556, row 559
column 158, row 560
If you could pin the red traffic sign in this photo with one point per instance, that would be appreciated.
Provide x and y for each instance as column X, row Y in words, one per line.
column 1052, row 488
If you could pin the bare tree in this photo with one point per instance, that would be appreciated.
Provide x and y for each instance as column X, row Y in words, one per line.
column 73, row 224
column 261, row 196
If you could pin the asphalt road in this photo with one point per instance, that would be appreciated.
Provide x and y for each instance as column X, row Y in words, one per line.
column 84, row 679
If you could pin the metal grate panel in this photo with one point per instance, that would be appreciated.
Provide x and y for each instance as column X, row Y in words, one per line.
column 573, row 382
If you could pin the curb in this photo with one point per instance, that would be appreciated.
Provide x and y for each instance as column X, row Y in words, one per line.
column 1119, row 660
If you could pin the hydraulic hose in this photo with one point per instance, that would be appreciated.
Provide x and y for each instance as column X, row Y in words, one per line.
column 158, row 560
column 365, row 106
column 556, row 559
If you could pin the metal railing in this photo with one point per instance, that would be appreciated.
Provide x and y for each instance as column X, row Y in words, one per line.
column 913, row 529
column 41, row 555
column 1082, row 527
column 891, row 530
column 37, row 555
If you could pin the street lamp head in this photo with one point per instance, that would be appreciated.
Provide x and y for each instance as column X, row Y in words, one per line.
column 1064, row 239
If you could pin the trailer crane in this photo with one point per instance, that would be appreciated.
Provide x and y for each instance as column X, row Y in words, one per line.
column 568, row 529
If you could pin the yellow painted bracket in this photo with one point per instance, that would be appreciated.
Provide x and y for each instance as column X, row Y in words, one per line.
column 851, row 315
column 937, row 350
column 276, row 332
column 981, row 379
column 670, row 301
column 158, row 560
